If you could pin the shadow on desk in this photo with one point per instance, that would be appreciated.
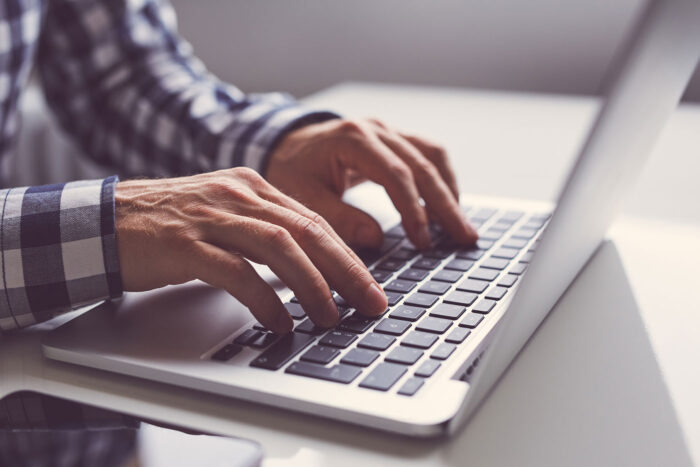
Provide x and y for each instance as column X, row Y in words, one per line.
column 586, row 390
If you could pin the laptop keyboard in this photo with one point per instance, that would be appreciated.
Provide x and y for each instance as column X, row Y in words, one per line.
column 437, row 297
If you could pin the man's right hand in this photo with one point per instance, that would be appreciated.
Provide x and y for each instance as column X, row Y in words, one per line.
column 171, row 231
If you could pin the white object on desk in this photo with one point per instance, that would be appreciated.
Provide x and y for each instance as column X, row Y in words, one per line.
column 625, row 417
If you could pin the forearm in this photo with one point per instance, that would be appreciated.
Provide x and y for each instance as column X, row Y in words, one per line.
column 58, row 250
column 134, row 97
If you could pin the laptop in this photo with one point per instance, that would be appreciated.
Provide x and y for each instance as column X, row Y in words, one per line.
column 457, row 316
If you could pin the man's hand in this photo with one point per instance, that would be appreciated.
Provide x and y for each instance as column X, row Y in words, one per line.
column 316, row 163
column 171, row 231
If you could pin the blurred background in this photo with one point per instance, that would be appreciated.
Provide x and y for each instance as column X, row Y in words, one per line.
column 301, row 46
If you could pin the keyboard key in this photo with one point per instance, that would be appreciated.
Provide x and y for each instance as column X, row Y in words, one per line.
column 461, row 298
column 282, row 351
column 308, row 327
column 472, row 320
column 435, row 288
column 265, row 339
column 357, row 324
column 511, row 216
column 390, row 265
column 470, row 254
column 408, row 313
column 340, row 339
column 403, row 254
column 400, row 285
column 393, row 297
column 524, row 233
column 421, row 300
column 518, row 269
column 422, row 340
column 484, row 274
column 393, row 327
column 495, row 263
column 339, row 373
column 448, row 311
column 396, row 231
column 447, row 276
column 517, row 243
column 484, row 306
column 508, row 280
column 460, row 264
column 482, row 215
column 383, row 376
column 411, row 386
column 247, row 337
column 496, row 293
column 484, row 244
column 457, row 335
column 381, row 276
column 437, row 253
column 507, row 253
column 320, row 354
column 434, row 325
column 226, row 352
column 491, row 234
column 471, row 285
column 427, row 368
column 426, row 263
column 415, row 275
column 295, row 310
column 360, row 357
column 404, row 355
column 376, row 341
column 443, row 351
column 501, row 226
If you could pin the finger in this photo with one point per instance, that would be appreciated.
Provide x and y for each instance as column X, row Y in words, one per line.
column 437, row 155
column 377, row 162
column 437, row 195
column 351, row 224
column 343, row 271
column 234, row 274
column 274, row 246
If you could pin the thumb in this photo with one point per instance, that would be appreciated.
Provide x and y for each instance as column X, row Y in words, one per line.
column 355, row 227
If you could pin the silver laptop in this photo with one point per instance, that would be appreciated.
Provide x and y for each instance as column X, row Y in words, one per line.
column 457, row 317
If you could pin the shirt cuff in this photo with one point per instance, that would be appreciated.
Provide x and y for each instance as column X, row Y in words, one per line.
column 275, row 125
column 59, row 250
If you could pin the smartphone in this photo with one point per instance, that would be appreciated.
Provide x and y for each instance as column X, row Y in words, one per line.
column 38, row 430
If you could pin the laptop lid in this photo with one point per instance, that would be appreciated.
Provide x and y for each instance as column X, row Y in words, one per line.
column 651, row 75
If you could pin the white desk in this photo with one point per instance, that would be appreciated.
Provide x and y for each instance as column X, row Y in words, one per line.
column 609, row 379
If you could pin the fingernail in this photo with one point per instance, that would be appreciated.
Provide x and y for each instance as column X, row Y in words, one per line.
column 376, row 299
column 365, row 235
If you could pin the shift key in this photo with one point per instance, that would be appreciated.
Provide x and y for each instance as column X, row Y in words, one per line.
column 338, row 373
column 383, row 376
column 282, row 351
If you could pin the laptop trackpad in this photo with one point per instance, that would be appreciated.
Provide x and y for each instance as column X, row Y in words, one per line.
column 172, row 323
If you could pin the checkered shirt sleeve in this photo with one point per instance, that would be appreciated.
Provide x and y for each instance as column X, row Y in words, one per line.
column 131, row 92
column 58, row 250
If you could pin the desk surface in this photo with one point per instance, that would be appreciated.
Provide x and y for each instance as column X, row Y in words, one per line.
column 608, row 379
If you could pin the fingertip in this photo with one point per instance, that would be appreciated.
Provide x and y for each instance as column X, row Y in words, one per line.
column 283, row 324
column 376, row 301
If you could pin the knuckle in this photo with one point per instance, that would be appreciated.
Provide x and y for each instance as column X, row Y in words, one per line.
column 356, row 274
column 277, row 235
column 352, row 127
column 249, row 175
column 309, row 230
column 401, row 170
column 425, row 171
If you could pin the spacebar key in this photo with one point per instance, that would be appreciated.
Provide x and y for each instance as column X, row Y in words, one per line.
column 338, row 373
column 282, row 351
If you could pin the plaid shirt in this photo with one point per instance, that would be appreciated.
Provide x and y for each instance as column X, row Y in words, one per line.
column 129, row 91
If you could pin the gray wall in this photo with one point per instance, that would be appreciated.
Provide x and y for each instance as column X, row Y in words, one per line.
column 302, row 46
